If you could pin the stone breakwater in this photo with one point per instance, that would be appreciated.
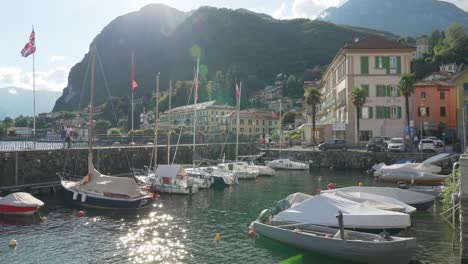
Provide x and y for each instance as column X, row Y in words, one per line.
column 354, row 159
column 41, row 166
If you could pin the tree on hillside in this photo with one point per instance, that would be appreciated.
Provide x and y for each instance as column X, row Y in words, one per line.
column 21, row 121
column 291, row 85
column 358, row 98
column 101, row 127
column 312, row 99
column 288, row 118
column 406, row 86
column 8, row 121
column 312, row 74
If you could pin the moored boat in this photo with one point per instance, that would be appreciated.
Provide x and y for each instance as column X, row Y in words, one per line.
column 240, row 169
column 356, row 246
column 287, row 164
column 172, row 179
column 19, row 203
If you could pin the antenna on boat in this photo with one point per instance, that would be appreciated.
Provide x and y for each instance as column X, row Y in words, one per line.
column 156, row 124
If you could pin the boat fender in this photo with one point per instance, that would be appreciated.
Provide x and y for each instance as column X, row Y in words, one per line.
column 251, row 233
column 83, row 198
column 75, row 196
column 80, row 213
column 331, row 186
column 217, row 237
column 318, row 191
column 403, row 185
column 12, row 243
column 360, row 184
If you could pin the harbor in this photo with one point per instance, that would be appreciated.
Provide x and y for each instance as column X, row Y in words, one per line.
column 182, row 228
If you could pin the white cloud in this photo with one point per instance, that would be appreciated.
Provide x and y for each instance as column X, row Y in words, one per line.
column 313, row 8
column 13, row 91
column 281, row 12
column 463, row 4
column 56, row 58
column 54, row 79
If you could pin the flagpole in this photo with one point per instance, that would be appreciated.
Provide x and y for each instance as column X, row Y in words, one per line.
column 195, row 112
column 131, row 85
column 34, row 98
column 237, row 121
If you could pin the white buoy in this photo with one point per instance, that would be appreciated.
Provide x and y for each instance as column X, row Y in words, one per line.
column 12, row 243
column 75, row 196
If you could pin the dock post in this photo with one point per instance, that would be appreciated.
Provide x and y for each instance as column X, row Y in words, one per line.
column 16, row 168
column 463, row 196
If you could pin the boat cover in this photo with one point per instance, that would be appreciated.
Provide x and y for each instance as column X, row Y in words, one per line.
column 20, row 199
column 405, row 167
column 377, row 201
column 436, row 158
column 323, row 209
column 405, row 196
column 297, row 198
column 99, row 183
column 171, row 171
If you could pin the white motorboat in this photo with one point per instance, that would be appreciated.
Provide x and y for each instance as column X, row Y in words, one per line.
column 436, row 191
column 322, row 209
column 19, row 203
column 217, row 177
column 240, row 169
column 287, row 164
column 377, row 201
column 170, row 179
column 263, row 170
column 421, row 173
column 416, row 199
column 354, row 246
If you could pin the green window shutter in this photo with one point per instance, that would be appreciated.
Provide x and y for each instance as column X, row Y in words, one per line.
column 388, row 90
column 376, row 62
column 377, row 91
column 399, row 90
column 399, row 112
column 370, row 112
column 386, row 112
column 386, row 63
column 399, row 64
column 365, row 88
column 364, row 65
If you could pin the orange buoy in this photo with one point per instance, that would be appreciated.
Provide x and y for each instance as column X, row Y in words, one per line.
column 251, row 233
column 331, row 186
column 80, row 213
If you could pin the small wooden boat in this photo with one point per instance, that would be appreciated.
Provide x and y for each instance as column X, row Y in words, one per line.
column 357, row 246
column 19, row 203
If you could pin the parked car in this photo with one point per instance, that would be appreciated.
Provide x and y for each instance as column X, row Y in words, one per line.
column 427, row 145
column 439, row 143
column 333, row 144
column 396, row 144
column 376, row 144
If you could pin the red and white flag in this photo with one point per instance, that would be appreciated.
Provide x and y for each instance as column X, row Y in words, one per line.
column 237, row 91
column 30, row 47
column 274, row 115
column 134, row 83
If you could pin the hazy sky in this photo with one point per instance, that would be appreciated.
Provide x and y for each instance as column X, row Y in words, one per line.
column 64, row 30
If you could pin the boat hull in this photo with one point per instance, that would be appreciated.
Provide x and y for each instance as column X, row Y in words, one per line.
column 18, row 210
column 175, row 189
column 396, row 251
column 100, row 202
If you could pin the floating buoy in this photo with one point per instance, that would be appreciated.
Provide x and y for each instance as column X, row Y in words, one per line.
column 360, row 184
column 331, row 186
column 80, row 214
column 318, row 191
column 12, row 243
column 251, row 233
column 217, row 237
column 43, row 218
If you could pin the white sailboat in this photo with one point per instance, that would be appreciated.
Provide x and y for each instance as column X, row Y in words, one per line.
column 287, row 164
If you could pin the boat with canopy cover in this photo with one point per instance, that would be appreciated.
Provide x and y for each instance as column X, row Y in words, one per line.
column 19, row 203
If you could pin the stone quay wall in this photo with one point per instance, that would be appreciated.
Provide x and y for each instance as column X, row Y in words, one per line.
column 354, row 159
column 41, row 166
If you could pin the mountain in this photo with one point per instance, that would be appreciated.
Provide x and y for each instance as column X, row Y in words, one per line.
column 16, row 101
column 236, row 45
column 401, row 17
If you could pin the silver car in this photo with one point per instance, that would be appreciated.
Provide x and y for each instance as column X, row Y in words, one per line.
column 396, row 144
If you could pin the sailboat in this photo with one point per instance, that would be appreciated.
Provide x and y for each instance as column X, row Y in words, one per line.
column 96, row 190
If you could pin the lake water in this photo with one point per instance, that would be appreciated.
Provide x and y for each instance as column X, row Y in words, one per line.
column 181, row 229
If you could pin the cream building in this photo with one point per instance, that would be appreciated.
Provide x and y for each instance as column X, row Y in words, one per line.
column 422, row 47
column 254, row 122
column 373, row 64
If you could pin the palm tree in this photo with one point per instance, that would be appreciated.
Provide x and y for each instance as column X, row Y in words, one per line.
column 406, row 86
column 312, row 99
column 358, row 98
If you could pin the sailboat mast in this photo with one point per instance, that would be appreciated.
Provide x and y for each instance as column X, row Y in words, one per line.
column 156, row 124
column 281, row 125
column 195, row 112
column 131, row 85
column 169, row 125
column 91, row 111
column 238, row 122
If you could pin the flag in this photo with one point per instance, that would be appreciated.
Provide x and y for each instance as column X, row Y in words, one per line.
column 274, row 115
column 134, row 83
column 237, row 91
column 30, row 47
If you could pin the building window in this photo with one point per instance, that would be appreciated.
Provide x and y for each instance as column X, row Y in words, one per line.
column 442, row 95
column 250, row 130
column 250, row 121
column 257, row 122
column 263, row 121
column 394, row 90
column 234, row 130
column 395, row 112
column 393, row 62
column 242, row 121
column 442, row 111
column 366, row 112
column 269, row 122
column 379, row 64
column 242, row 130
column 423, row 95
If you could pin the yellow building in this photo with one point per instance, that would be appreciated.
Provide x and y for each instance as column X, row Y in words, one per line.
column 461, row 83
column 254, row 122
column 375, row 65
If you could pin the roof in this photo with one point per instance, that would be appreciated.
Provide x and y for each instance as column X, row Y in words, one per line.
column 200, row 106
column 443, row 82
column 375, row 42
column 256, row 113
